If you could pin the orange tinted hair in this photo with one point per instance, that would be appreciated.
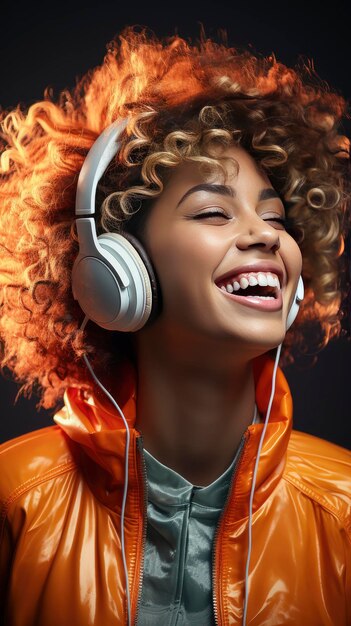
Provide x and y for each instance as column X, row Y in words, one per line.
column 289, row 124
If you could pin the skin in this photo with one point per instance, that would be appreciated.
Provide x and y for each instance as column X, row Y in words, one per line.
column 196, row 393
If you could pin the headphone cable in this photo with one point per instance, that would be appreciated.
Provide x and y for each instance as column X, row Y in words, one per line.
column 254, row 483
column 126, row 469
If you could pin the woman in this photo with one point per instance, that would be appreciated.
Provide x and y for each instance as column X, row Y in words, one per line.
column 192, row 500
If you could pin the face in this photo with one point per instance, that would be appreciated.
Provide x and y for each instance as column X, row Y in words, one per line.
column 206, row 237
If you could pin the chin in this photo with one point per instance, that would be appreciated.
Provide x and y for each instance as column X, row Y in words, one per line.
column 254, row 345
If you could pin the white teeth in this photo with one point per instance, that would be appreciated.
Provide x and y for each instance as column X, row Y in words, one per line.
column 253, row 281
column 262, row 280
column 244, row 283
column 263, row 297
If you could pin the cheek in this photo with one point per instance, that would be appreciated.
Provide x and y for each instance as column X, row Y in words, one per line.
column 175, row 250
column 293, row 265
column 294, row 259
column 184, row 264
column 178, row 269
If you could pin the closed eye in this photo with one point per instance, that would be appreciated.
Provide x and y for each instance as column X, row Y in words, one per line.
column 201, row 216
column 281, row 220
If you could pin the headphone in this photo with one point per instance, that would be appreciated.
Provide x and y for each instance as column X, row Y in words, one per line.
column 113, row 278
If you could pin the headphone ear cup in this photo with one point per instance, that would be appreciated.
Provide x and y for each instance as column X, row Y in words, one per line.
column 110, row 280
column 142, row 289
column 294, row 309
column 113, row 279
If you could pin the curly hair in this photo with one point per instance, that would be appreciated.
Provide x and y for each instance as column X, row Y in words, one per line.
column 182, row 101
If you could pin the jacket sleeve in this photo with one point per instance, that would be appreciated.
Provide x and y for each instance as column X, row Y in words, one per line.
column 348, row 574
column 5, row 563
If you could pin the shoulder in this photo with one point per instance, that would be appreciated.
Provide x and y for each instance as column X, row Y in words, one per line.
column 31, row 459
column 322, row 471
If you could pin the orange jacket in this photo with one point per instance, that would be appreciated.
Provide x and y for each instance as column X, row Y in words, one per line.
column 61, row 490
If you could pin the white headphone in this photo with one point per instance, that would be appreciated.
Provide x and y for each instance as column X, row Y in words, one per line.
column 113, row 279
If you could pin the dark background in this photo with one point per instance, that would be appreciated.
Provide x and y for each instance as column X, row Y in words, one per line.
column 54, row 44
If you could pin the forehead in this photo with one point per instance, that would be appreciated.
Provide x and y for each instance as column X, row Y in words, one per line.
column 238, row 165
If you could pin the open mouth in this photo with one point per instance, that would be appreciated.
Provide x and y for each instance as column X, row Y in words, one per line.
column 257, row 291
column 263, row 286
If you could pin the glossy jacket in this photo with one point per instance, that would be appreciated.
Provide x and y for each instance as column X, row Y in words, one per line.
column 61, row 490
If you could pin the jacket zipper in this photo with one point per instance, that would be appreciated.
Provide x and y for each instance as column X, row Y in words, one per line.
column 219, row 523
column 141, row 571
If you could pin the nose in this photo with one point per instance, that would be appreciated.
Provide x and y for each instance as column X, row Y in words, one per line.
column 256, row 232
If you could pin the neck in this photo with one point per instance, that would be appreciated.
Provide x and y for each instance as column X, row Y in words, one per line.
column 193, row 410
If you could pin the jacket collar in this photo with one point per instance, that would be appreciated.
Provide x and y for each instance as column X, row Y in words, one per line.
column 97, row 433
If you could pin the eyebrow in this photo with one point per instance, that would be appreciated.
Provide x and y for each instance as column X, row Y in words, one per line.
column 226, row 190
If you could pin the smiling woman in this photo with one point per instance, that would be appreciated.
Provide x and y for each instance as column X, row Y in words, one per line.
column 193, row 248
column 209, row 191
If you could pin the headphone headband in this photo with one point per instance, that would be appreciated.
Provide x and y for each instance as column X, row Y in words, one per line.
column 98, row 158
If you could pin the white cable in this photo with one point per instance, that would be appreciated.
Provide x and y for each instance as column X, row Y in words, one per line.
column 125, row 490
column 254, row 483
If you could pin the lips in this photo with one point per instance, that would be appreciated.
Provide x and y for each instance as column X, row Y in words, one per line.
column 257, row 303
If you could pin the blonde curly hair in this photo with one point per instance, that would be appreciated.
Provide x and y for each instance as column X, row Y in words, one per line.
column 183, row 101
